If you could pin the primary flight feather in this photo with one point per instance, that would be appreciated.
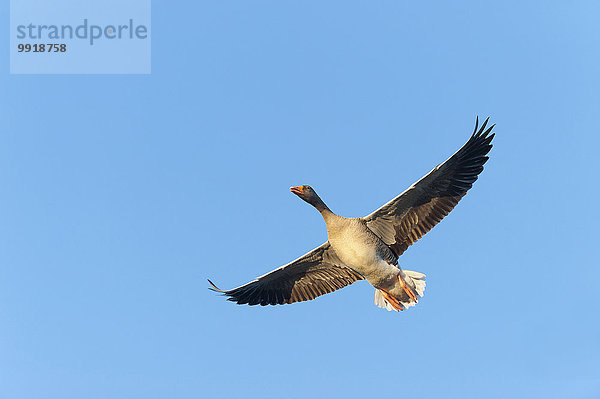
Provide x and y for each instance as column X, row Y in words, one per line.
column 369, row 247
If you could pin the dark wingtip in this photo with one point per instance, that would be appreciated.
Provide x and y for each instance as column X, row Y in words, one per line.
column 476, row 125
column 481, row 131
column 482, row 128
column 214, row 287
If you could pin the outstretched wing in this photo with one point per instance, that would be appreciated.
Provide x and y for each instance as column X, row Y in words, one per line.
column 409, row 216
column 317, row 273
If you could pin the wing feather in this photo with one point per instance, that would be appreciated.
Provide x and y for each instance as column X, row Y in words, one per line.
column 409, row 216
column 317, row 273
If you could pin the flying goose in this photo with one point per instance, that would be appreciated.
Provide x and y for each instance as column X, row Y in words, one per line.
column 369, row 247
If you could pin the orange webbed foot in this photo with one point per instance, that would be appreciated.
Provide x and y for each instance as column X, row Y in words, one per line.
column 407, row 289
column 391, row 300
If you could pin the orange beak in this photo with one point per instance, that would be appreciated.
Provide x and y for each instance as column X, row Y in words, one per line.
column 297, row 190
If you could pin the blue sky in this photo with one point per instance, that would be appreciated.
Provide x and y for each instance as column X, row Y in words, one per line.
column 122, row 194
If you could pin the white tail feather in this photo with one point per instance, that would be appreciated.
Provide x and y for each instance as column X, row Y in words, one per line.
column 418, row 280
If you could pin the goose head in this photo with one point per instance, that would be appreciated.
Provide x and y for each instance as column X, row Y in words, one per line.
column 309, row 195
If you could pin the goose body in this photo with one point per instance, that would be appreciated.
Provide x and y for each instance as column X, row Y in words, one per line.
column 368, row 248
column 361, row 249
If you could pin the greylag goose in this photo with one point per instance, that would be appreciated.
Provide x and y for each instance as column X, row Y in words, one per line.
column 369, row 247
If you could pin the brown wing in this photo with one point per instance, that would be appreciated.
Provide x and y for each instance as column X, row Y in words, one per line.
column 317, row 273
column 409, row 216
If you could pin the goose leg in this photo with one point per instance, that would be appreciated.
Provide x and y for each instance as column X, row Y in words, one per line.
column 407, row 289
column 391, row 300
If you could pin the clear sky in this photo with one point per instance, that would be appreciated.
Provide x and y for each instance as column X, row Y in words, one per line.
column 120, row 195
